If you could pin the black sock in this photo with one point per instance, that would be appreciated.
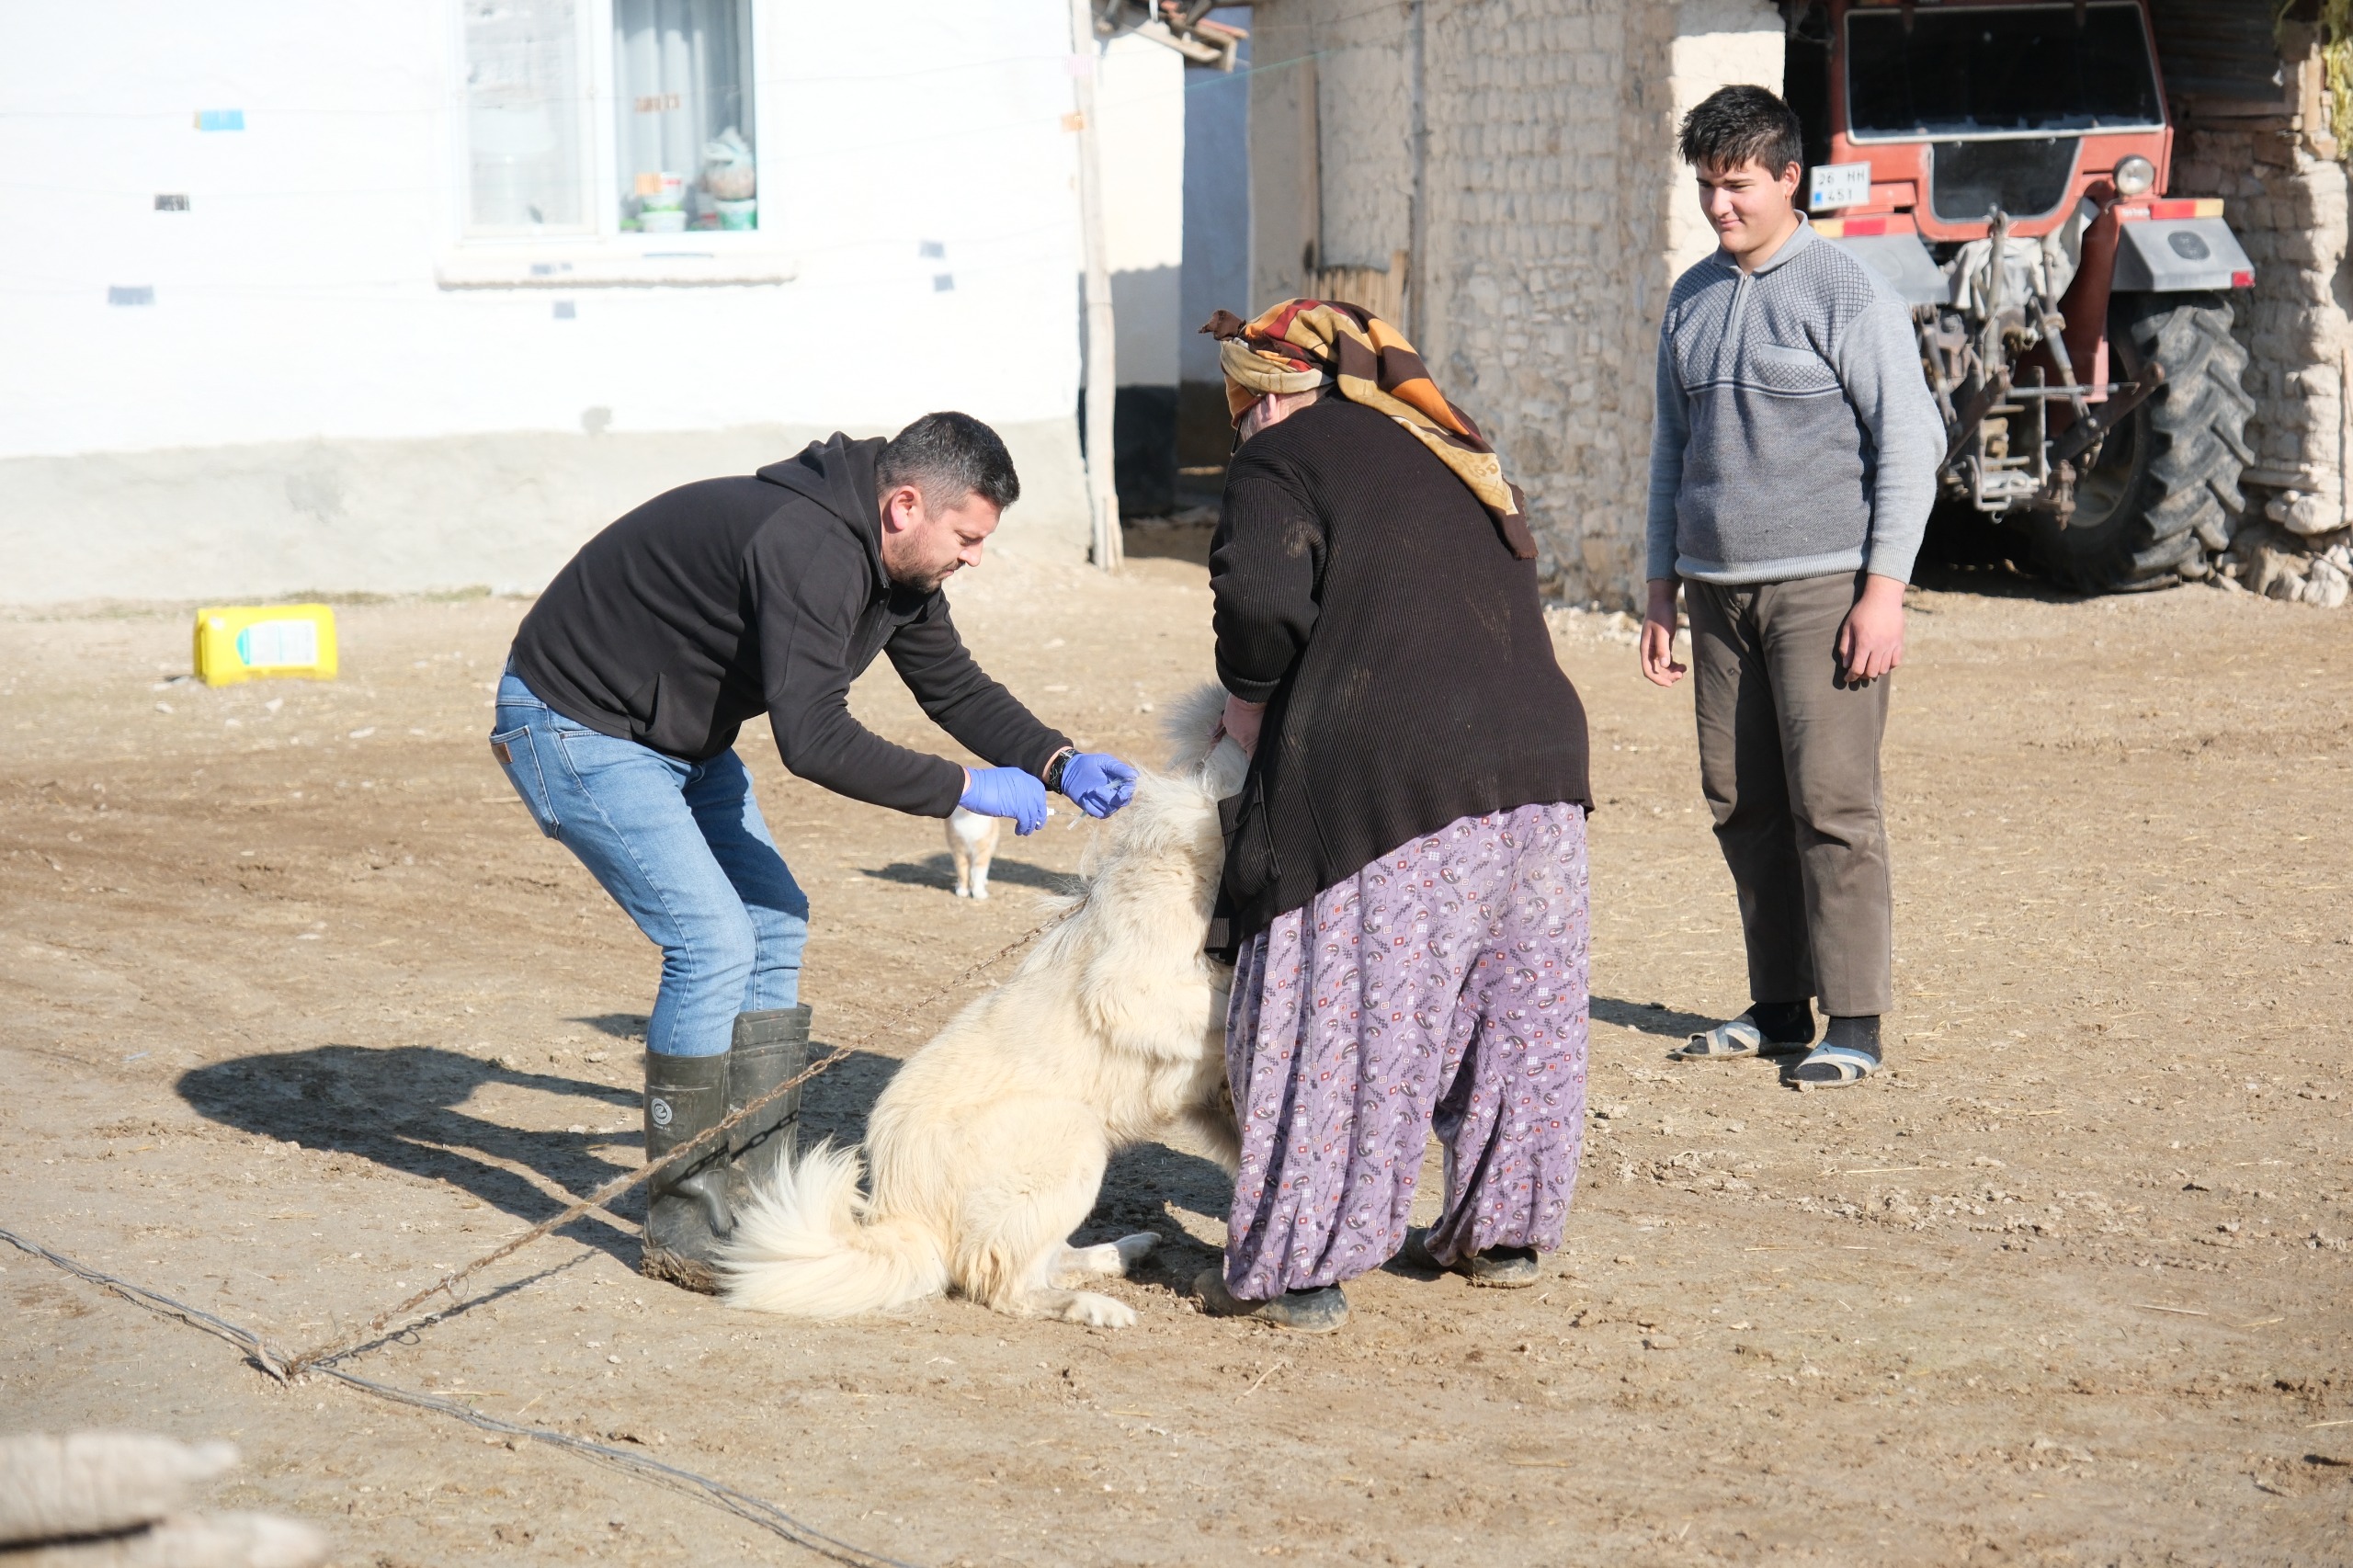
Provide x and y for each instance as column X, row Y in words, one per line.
column 1856, row 1034
column 1784, row 1023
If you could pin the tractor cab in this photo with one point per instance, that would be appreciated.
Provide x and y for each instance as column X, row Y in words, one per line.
column 2004, row 163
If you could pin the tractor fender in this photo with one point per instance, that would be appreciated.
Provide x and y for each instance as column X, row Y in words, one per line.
column 2174, row 256
column 1904, row 262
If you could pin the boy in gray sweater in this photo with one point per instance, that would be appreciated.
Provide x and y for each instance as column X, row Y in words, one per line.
column 1791, row 474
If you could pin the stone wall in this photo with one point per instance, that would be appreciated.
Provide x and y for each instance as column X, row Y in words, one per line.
column 1548, row 236
column 2286, row 186
column 1555, row 216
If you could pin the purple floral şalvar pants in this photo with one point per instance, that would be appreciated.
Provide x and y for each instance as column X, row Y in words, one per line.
column 1442, row 988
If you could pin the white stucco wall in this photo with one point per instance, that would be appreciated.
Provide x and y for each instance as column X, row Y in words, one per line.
column 1716, row 43
column 1140, row 100
column 305, row 403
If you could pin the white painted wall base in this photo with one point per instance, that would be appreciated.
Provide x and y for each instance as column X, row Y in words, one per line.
column 316, row 377
column 233, row 523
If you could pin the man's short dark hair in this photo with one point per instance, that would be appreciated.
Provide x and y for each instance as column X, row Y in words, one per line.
column 950, row 457
column 1732, row 126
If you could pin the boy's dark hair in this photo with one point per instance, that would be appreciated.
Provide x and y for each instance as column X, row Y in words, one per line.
column 950, row 457
column 1732, row 126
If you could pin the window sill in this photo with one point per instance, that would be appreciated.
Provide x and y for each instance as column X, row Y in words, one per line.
column 697, row 258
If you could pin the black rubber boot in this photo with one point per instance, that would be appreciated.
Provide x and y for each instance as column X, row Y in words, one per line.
column 688, row 1214
column 769, row 1048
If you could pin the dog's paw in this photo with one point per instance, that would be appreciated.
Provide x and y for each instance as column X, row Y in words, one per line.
column 1098, row 1311
column 1104, row 1257
column 981, row 894
column 963, row 892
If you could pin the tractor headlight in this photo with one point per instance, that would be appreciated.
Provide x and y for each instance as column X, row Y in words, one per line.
column 2135, row 176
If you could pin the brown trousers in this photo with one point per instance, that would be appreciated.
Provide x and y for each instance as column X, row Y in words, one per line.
column 1789, row 760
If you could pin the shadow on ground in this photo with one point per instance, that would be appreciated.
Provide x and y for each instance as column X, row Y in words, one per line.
column 1651, row 1017
column 1142, row 1188
column 399, row 1108
column 1966, row 553
column 940, row 871
column 836, row 1104
column 1168, row 540
column 1997, row 580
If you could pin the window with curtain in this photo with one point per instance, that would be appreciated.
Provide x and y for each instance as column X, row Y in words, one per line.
column 682, row 74
column 524, row 127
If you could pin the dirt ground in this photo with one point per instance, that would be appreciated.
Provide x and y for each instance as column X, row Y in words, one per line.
column 301, row 1011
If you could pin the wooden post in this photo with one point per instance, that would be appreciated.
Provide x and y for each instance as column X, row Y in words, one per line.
column 1102, row 370
column 1416, row 262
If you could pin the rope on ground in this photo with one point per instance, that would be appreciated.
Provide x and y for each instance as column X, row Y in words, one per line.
column 259, row 1353
column 317, row 1357
column 743, row 1505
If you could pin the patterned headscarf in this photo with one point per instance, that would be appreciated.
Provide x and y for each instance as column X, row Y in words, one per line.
column 1305, row 344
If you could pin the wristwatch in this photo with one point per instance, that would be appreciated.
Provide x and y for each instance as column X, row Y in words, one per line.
column 1056, row 765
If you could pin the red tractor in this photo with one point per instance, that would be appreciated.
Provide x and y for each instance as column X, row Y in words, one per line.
column 2004, row 165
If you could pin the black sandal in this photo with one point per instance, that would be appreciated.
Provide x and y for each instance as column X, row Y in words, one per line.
column 1499, row 1268
column 1849, row 1053
column 1750, row 1035
column 1320, row 1311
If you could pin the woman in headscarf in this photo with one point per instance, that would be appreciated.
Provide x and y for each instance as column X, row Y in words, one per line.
column 1405, row 890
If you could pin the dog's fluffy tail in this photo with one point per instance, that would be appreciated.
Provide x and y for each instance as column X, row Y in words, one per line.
column 805, row 1249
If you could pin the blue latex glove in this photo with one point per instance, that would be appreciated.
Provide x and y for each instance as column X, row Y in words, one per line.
column 1006, row 792
column 1097, row 782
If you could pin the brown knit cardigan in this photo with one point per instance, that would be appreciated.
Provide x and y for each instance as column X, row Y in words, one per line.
column 1363, row 594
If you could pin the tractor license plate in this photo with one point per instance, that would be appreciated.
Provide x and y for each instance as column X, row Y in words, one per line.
column 1839, row 184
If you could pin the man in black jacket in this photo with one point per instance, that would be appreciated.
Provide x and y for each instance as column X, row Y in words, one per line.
column 620, row 705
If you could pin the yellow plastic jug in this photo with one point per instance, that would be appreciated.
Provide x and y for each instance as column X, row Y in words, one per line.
column 236, row 642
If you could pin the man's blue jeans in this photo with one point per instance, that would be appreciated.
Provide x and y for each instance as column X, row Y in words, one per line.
column 680, row 846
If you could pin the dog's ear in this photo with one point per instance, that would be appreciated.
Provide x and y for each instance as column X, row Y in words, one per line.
column 1192, row 727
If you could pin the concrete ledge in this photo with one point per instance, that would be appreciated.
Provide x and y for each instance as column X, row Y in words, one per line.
column 683, row 265
column 501, row 511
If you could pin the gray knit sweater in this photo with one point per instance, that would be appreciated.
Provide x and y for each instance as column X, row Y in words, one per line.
column 1796, row 434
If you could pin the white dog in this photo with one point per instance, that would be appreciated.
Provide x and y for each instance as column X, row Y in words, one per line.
column 972, row 844
column 989, row 1146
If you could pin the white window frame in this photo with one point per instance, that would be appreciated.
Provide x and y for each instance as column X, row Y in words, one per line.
column 601, row 255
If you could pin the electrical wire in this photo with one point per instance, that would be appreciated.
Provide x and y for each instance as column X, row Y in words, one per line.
column 743, row 1505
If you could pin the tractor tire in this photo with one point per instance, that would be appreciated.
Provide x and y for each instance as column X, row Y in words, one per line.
column 2162, row 492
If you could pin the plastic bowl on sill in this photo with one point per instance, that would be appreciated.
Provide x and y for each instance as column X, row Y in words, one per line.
column 662, row 221
column 742, row 214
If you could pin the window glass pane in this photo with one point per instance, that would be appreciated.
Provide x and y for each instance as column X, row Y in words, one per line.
column 523, row 120
column 683, row 96
column 1983, row 70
